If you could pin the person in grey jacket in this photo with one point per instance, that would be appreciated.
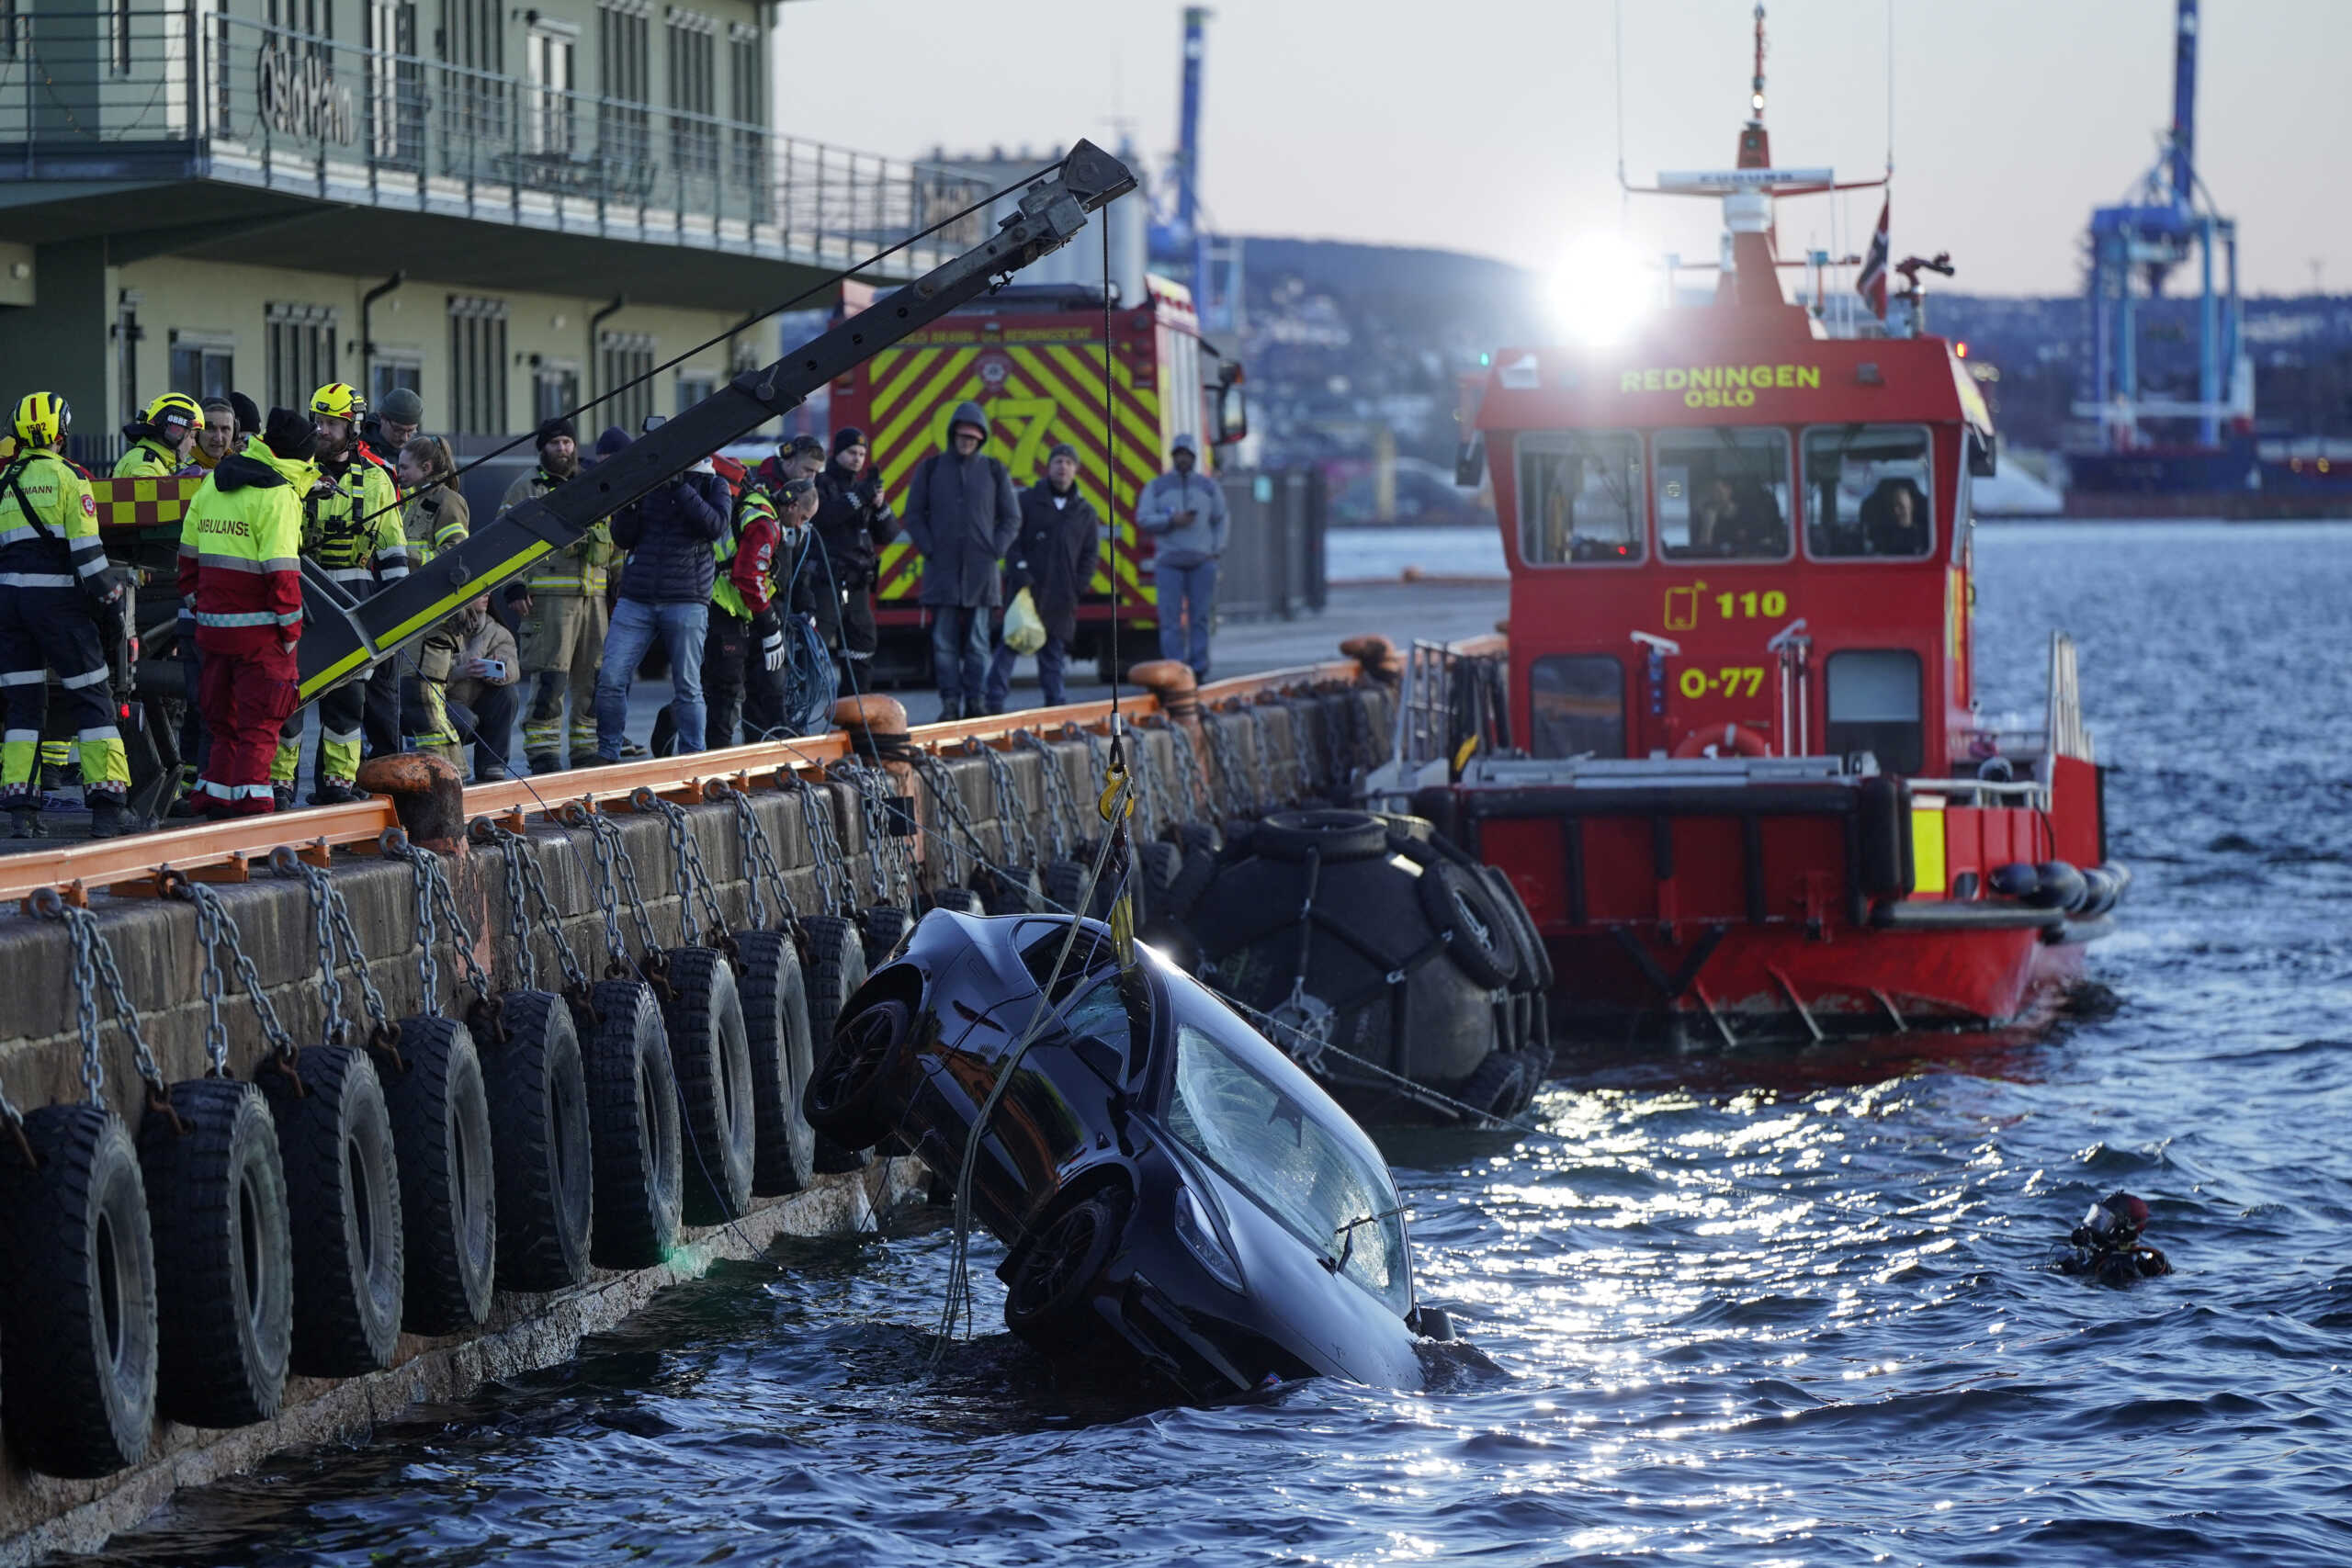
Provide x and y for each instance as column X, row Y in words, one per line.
column 1185, row 512
column 962, row 516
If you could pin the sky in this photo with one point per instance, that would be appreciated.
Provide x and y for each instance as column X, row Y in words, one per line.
column 1491, row 126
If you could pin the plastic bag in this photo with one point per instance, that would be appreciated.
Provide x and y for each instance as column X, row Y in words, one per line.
column 1024, row 629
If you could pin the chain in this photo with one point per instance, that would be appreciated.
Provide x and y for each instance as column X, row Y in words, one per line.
column 428, row 968
column 825, row 847
column 1061, row 806
column 1010, row 822
column 953, row 814
column 694, row 877
column 331, row 923
column 522, row 865
column 322, row 938
column 761, row 863
column 435, row 896
column 1262, row 729
column 877, row 827
column 518, row 919
column 1340, row 731
column 93, row 967
column 213, row 928
column 1188, row 763
column 1224, row 796
column 612, row 859
column 888, row 811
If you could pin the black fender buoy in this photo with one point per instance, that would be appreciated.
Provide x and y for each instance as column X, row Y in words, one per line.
column 840, row 1097
column 712, row 1059
column 2019, row 879
column 539, row 1143
column 776, row 1031
column 963, row 900
column 2062, row 886
column 835, row 968
column 1482, row 946
column 1012, row 890
column 343, row 1194
column 880, row 928
column 79, row 1314
column 224, row 1261
column 633, row 1127
column 448, row 1185
column 1333, row 836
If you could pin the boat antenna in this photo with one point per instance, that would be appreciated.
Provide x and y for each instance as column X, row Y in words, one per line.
column 1756, row 88
column 1617, row 35
column 1889, row 89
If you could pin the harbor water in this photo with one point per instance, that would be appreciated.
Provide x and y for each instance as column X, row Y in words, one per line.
column 1771, row 1308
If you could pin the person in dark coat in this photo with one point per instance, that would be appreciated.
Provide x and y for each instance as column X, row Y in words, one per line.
column 1054, row 559
column 962, row 515
column 664, row 593
column 853, row 521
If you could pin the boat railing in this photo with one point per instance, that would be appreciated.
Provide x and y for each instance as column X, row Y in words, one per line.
column 2030, row 793
column 2068, row 737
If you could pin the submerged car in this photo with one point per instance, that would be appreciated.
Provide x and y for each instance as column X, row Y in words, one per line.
column 1169, row 1186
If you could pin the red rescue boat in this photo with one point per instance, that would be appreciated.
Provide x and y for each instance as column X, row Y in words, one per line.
column 1738, row 771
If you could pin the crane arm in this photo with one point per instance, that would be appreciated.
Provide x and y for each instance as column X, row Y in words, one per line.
column 341, row 637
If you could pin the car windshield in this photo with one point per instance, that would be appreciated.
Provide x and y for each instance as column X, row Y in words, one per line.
column 1261, row 1138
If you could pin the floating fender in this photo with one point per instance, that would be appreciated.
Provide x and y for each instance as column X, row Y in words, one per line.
column 224, row 1263
column 440, row 1113
column 834, row 968
column 711, row 1058
column 840, row 1098
column 776, row 1031
column 79, row 1314
column 1332, row 836
column 1882, row 804
column 963, row 900
column 2062, row 886
column 539, row 1143
column 2019, row 879
column 881, row 928
column 1483, row 941
column 2101, row 889
column 633, row 1124
column 343, row 1194
column 1010, row 890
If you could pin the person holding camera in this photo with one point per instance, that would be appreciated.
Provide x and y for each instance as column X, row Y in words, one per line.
column 853, row 521
column 479, row 697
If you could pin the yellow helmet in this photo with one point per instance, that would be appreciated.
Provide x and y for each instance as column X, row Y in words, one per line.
column 337, row 400
column 175, row 409
column 42, row 419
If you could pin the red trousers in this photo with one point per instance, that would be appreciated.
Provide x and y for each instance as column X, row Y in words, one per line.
column 246, row 698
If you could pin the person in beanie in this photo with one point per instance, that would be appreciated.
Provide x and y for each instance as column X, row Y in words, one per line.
column 962, row 515
column 394, row 424
column 564, row 620
column 1185, row 512
column 239, row 567
column 853, row 521
column 1054, row 559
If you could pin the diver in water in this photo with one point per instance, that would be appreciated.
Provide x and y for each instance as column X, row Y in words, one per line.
column 2107, row 1246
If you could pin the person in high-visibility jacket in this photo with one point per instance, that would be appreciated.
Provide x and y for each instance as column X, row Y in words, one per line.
column 54, row 580
column 240, row 544
column 565, row 619
column 352, row 529
column 161, row 439
column 742, row 656
column 437, row 520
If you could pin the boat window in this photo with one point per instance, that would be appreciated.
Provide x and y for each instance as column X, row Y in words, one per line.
column 1338, row 1202
column 1722, row 494
column 1577, row 701
column 1580, row 497
column 1867, row 486
column 1874, row 706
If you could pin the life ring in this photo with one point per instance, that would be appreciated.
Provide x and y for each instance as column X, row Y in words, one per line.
column 1732, row 740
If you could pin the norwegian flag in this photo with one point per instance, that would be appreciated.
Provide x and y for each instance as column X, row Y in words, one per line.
column 1871, row 284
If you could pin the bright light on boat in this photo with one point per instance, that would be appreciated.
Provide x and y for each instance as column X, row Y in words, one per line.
column 1600, row 290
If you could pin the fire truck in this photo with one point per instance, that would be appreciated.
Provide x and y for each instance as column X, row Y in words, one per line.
column 1033, row 355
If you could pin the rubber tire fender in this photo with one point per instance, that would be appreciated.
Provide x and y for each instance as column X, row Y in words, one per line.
column 835, row 968
column 440, row 1109
column 962, row 900
column 633, row 1127
column 1534, row 959
column 710, row 1056
column 1065, row 884
column 880, row 928
column 342, row 1196
column 1158, row 864
column 224, row 1261
column 1456, row 900
column 1495, row 1087
column 775, row 1030
column 79, row 1396
column 539, row 1144
column 841, row 1096
column 1014, row 890
column 1045, row 1299
column 1335, row 836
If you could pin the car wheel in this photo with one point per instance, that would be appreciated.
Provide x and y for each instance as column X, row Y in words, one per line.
column 841, row 1099
column 1046, row 1297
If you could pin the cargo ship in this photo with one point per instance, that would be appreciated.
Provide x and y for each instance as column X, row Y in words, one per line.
column 1732, row 761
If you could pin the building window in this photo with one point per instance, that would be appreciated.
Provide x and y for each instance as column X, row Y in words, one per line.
column 395, row 84
column 1867, row 488
column 555, row 389
column 473, row 86
column 202, row 366
column 1723, row 493
column 747, row 105
column 694, row 93
column 694, row 386
column 301, row 352
column 549, row 128
column 624, row 376
column 1577, row 703
column 122, row 14
column 1874, row 706
column 313, row 20
column 625, row 80
column 394, row 370
column 1580, row 497
column 476, row 365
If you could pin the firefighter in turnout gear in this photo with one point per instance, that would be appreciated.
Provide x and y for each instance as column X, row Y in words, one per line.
column 54, row 581
column 562, row 632
column 238, row 544
column 437, row 520
column 351, row 530
column 162, row 441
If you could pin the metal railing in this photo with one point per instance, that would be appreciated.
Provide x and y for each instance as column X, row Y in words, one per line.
column 137, row 94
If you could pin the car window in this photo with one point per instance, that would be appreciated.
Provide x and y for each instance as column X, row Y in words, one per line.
column 1272, row 1147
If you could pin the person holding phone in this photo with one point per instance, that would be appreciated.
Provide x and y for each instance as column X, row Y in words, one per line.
column 480, row 697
